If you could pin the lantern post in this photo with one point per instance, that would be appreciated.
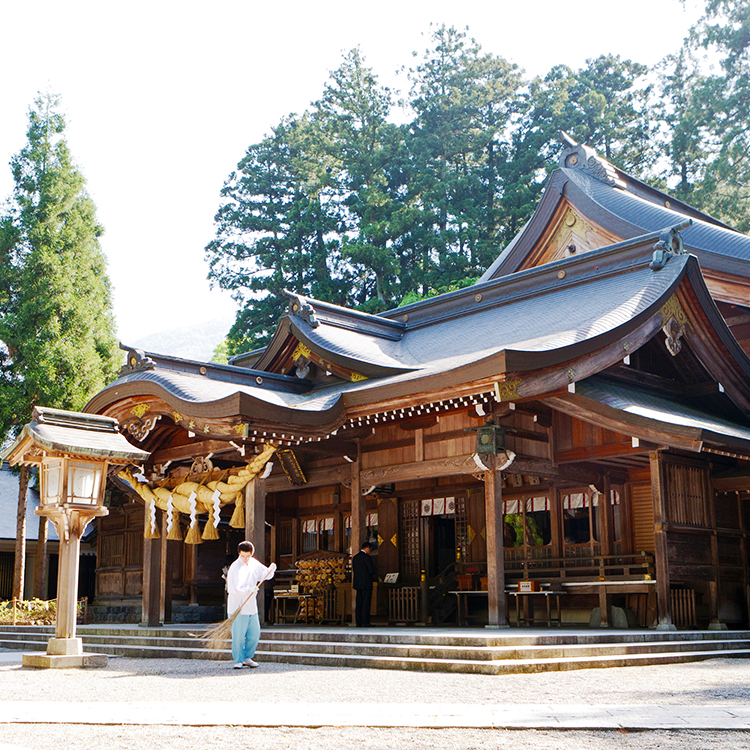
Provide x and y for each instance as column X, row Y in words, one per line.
column 73, row 452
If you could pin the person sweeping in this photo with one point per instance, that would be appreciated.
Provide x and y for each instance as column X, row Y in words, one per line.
column 244, row 577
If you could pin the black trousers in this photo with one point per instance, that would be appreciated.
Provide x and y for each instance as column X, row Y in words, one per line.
column 362, row 607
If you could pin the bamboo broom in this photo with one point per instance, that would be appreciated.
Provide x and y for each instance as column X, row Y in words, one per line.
column 216, row 636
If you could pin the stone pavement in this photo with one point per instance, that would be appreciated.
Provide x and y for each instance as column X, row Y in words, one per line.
column 431, row 716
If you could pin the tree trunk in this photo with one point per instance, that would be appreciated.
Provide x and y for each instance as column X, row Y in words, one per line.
column 40, row 561
column 23, row 485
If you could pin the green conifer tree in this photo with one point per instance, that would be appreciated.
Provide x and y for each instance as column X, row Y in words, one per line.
column 57, row 333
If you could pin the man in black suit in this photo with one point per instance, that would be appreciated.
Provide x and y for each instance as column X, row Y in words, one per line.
column 363, row 570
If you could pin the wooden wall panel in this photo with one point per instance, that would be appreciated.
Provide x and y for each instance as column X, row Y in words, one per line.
column 133, row 583
column 642, row 518
column 308, row 500
column 687, row 494
column 110, row 583
column 447, row 448
column 388, row 532
column 726, row 509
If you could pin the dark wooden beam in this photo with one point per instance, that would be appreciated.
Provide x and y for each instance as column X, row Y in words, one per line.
column 602, row 452
column 418, row 423
column 330, row 475
column 190, row 451
column 332, row 447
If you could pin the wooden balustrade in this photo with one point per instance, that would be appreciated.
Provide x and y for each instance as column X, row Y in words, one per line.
column 403, row 604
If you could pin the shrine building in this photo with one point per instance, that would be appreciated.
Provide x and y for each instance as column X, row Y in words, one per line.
column 574, row 428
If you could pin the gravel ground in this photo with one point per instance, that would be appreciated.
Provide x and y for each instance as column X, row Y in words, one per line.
column 222, row 738
column 715, row 680
column 707, row 682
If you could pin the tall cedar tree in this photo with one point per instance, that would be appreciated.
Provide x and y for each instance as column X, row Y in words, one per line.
column 360, row 144
column 275, row 230
column 463, row 101
column 722, row 99
column 57, row 334
column 342, row 204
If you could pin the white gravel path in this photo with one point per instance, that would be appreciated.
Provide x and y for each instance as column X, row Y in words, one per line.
column 715, row 680
column 701, row 683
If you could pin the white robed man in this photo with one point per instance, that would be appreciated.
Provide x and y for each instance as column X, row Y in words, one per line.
column 244, row 577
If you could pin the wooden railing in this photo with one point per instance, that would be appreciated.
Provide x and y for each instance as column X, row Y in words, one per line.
column 403, row 604
column 683, row 607
column 635, row 566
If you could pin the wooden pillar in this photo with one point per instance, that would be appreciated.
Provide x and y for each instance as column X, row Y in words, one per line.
column 556, row 522
column 605, row 515
column 255, row 527
column 419, row 444
column 493, row 509
column 151, row 607
column 743, row 552
column 358, row 518
column 658, row 494
column 192, row 551
column 715, row 585
column 40, row 561
column 165, row 579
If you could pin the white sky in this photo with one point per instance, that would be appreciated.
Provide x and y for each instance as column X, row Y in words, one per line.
column 162, row 99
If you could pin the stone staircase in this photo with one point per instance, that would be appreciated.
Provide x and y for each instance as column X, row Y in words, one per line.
column 477, row 651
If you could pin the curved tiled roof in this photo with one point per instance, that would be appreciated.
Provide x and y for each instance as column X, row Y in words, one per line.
column 627, row 206
column 534, row 319
column 640, row 402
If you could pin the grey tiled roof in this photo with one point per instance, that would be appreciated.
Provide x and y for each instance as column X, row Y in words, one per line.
column 642, row 402
column 532, row 319
column 710, row 241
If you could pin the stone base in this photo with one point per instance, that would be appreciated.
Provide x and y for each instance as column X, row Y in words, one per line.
column 65, row 646
column 63, row 661
column 618, row 618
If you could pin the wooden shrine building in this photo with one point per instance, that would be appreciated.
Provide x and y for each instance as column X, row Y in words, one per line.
column 577, row 422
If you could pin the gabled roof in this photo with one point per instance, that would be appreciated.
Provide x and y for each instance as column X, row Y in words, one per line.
column 352, row 344
column 534, row 331
column 627, row 208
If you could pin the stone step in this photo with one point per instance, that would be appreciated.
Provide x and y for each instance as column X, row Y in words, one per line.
column 478, row 666
column 160, row 640
column 508, row 666
column 514, row 638
column 433, row 651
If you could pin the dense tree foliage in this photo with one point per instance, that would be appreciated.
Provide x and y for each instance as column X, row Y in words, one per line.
column 344, row 204
column 57, row 332
column 707, row 86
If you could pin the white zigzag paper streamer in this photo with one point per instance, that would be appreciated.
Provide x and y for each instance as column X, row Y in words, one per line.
column 193, row 508
column 216, row 499
column 152, row 515
column 170, row 514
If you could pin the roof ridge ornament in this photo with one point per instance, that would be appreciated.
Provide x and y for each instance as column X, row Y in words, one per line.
column 669, row 244
column 579, row 156
column 301, row 307
column 135, row 361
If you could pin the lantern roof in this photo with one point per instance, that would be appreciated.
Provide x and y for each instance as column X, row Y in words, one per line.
column 71, row 433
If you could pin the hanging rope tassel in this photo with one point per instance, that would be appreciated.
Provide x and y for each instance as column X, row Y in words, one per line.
column 174, row 531
column 237, row 521
column 194, row 532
